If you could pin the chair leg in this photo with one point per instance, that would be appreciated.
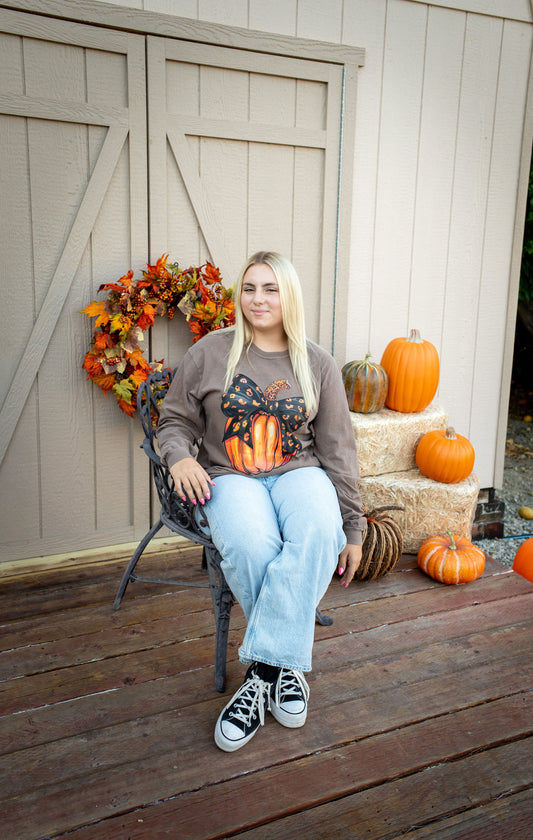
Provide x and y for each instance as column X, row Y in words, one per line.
column 223, row 601
column 127, row 576
column 324, row 620
column 221, row 648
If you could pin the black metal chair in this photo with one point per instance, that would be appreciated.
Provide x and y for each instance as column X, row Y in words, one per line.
column 178, row 516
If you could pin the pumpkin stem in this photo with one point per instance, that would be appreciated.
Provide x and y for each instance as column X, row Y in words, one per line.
column 450, row 433
column 415, row 337
column 365, row 360
column 453, row 546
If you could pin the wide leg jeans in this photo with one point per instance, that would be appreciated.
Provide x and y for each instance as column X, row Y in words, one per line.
column 280, row 538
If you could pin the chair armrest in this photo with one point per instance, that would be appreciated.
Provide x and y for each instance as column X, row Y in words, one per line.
column 150, row 451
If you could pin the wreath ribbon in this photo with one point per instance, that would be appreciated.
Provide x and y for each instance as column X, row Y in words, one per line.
column 244, row 399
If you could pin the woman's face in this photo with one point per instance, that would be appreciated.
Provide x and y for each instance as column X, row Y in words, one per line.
column 260, row 300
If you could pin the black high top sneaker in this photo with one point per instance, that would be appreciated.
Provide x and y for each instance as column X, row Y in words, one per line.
column 288, row 698
column 245, row 713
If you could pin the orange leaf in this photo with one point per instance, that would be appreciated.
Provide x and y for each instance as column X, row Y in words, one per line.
column 105, row 381
column 103, row 340
column 137, row 358
column 127, row 408
column 139, row 376
column 92, row 365
column 211, row 274
column 93, row 309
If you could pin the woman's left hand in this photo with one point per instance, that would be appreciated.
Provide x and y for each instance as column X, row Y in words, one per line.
column 349, row 560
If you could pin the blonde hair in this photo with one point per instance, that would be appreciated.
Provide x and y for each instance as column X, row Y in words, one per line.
column 290, row 293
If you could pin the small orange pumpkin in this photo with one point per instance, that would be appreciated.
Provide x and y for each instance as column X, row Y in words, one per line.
column 451, row 559
column 412, row 365
column 266, row 452
column 366, row 385
column 523, row 560
column 443, row 455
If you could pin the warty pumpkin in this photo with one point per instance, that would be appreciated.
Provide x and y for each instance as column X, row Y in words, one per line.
column 412, row 365
column 523, row 560
column 443, row 455
column 382, row 544
column 451, row 559
column 366, row 384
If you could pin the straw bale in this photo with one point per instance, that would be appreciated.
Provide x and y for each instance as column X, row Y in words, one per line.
column 431, row 507
column 387, row 439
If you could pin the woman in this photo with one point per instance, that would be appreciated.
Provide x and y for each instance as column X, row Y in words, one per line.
column 255, row 429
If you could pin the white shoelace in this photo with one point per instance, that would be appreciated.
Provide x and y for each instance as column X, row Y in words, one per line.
column 251, row 695
column 291, row 683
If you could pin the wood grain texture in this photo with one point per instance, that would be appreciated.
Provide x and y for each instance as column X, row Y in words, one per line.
column 107, row 717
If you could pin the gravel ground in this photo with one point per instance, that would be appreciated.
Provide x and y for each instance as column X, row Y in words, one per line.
column 517, row 492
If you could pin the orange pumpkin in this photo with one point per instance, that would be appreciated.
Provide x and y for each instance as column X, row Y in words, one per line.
column 443, row 455
column 451, row 559
column 366, row 385
column 265, row 454
column 523, row 561
column 412, row 365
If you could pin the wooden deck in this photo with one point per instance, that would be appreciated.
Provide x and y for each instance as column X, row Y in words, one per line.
column 420, row 716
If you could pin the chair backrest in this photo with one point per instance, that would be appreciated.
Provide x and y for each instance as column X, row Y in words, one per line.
column 175, row 513
column 150, row 395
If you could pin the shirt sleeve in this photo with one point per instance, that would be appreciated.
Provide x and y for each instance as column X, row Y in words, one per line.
column 336, row 449
column 182, row 421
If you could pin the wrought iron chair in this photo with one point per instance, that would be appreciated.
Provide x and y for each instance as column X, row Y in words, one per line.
column 178, row 516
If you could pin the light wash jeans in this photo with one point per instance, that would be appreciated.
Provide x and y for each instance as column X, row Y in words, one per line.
column 279, row 537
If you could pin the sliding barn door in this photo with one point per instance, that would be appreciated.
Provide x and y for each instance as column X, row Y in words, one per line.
column 244, row 155
column 241, row 153
column 73, row 176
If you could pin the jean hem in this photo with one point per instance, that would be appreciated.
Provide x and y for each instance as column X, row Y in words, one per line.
column 248, row 659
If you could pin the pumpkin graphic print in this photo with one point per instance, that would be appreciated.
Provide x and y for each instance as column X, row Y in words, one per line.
column 259, row 435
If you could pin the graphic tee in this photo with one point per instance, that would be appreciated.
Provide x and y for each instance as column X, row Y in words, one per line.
column 259, row 434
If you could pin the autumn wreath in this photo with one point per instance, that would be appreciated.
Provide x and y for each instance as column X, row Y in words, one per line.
column 115, row 362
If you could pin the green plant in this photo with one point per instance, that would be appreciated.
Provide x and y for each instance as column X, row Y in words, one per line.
column 525, row 294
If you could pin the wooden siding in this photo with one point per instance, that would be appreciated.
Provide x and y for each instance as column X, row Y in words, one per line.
column 440, row 136
column 443, row 139
column 234, row 135
column 244, row 153
column 74, row 213
column 442, row 128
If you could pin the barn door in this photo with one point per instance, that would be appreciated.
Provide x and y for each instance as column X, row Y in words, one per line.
column 73, row 168
column 244, row 155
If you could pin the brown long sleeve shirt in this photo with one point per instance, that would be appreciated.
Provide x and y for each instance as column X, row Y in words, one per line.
column 259, row 425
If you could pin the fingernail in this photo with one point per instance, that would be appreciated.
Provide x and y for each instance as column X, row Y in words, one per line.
column 202, row 501
column 208, row 496
column 183, row 499
column 341, row 571
column 194, row 501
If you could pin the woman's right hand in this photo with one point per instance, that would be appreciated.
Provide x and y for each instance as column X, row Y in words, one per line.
column 191, row 480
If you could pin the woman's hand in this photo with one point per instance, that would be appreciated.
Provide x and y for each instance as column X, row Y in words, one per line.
column 349, row 560
column 191, row 480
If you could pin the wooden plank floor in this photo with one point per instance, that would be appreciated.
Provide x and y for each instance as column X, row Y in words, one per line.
column 419, row 726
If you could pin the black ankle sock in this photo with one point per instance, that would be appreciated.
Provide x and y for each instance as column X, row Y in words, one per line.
column 268, row 673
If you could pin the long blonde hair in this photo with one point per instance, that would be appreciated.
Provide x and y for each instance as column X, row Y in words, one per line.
column 290, row 292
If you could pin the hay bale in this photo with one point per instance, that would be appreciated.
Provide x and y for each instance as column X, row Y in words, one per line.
column 430, row 507
column 387, row 440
